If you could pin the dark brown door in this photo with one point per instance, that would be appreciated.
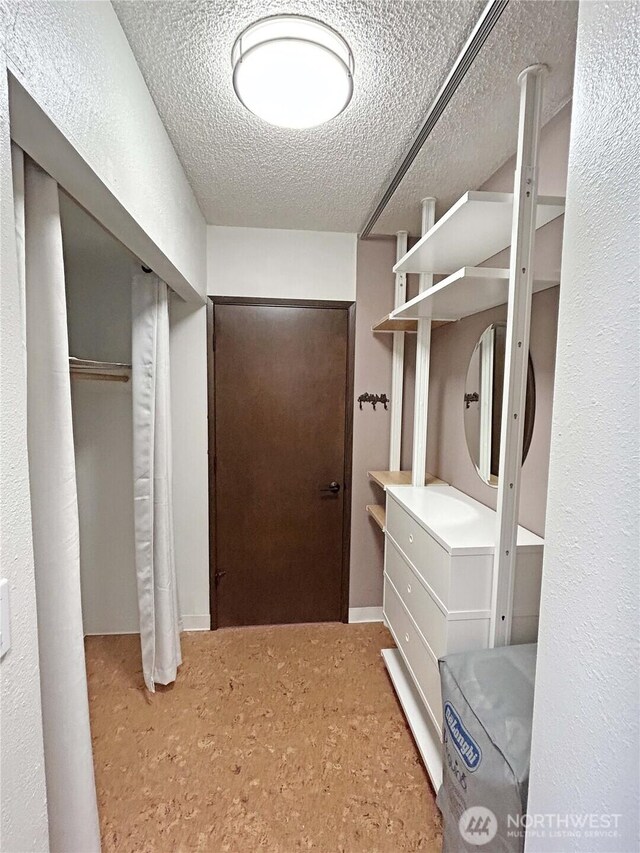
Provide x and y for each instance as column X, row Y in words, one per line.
column 280, row 404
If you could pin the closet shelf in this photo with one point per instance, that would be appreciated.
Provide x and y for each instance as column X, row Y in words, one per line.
column 468, row 291
column 477, row 227
column 390, row 478
column 379, row 515
column 389, row 324
column 400, row 478
column 101, row 371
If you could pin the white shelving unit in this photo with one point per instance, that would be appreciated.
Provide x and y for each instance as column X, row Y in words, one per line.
column 468, row 291
column 476, row 228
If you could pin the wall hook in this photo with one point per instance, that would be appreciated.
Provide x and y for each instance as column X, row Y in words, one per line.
column 374, row 399
column 471, row 398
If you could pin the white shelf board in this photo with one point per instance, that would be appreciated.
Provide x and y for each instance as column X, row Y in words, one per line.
column 476, row 228
column 426, row 738
column 468, row 291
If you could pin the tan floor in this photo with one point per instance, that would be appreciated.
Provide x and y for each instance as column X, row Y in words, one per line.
column 273, row 739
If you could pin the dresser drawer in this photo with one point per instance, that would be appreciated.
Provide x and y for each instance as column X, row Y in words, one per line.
column 430, row 560
column 423, row 668
column 430, row 620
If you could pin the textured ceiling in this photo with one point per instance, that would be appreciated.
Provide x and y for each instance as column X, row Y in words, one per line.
column 245, row 172
column 478, row 130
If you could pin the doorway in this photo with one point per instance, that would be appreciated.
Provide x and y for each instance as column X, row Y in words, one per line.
column 280, row 435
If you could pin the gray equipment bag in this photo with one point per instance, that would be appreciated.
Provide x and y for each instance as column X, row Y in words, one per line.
column 487, row 701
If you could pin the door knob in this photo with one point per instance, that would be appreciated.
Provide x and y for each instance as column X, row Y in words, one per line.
column 333, row 487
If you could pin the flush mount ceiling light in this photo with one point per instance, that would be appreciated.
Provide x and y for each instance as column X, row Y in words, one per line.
column 292, row 71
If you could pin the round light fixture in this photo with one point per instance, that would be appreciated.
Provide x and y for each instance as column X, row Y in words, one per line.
column 292, row 71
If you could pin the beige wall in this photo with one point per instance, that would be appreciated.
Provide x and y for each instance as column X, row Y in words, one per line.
column 375, row 285
column 374, row 299
column 553, row 159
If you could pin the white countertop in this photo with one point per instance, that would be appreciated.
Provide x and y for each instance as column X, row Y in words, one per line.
column 459, row 523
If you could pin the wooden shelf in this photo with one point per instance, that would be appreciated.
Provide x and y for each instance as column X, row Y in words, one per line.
column 379, row 515
column 390, row 478
column 431, row 480
column 389, row 325
column 468, row 291
column 400, row 478
column 424, row 733
column 477, row 227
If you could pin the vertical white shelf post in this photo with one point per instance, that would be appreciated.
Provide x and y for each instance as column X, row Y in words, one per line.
column 423, row 355
column 486, row 402
column 397, row 364
column 516, row 351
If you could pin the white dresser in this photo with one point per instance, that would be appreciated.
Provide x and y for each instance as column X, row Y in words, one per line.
column 437, row 596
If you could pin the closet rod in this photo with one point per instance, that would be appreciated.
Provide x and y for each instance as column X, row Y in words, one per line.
column 101, row 365
column 100, row 370
column 99, row 377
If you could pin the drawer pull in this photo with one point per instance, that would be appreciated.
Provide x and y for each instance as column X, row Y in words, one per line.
column 409, row 588
column 411, row 537
column 406, row 638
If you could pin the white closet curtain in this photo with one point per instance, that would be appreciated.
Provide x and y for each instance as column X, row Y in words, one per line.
column 71, row 794
column 155, row 565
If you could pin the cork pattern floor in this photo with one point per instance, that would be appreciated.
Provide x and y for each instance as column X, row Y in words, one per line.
column 272, row 739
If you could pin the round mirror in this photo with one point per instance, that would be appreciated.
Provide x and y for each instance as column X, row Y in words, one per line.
column 483, row 403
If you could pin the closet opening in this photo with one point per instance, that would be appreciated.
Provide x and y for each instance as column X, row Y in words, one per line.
column 98, row 273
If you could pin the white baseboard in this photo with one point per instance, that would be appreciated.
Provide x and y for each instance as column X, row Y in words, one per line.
column 188, row 622
column 110, row 633
column 365, row 614
column 196, row 622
